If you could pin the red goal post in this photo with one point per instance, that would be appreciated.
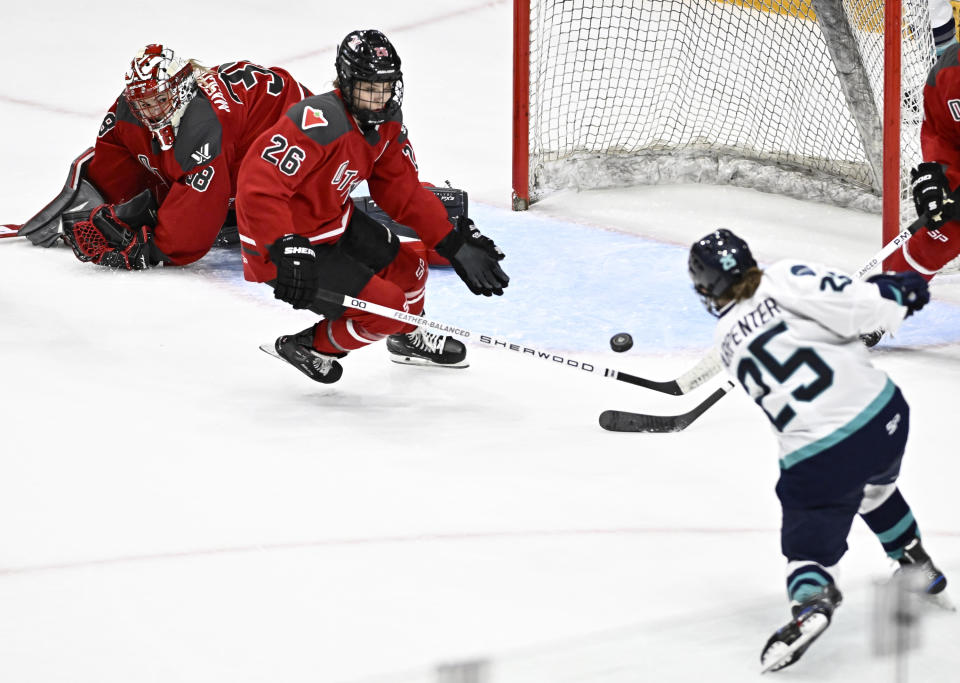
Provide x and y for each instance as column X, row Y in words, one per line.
column 620, row 92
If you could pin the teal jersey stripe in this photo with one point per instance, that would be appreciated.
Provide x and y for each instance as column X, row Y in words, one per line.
column 897, row 529
column 867, row 414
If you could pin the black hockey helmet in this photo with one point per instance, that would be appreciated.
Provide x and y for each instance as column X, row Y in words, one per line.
column 717, row 262
column 367, row 56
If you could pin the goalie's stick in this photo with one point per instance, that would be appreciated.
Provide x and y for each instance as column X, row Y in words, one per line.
column 692, row 378
column 623, row 421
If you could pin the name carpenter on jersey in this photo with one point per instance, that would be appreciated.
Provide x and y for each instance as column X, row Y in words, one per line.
column 751, row 321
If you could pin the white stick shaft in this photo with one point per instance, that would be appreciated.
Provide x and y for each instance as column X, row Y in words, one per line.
column 446, row 328
column 888, row 249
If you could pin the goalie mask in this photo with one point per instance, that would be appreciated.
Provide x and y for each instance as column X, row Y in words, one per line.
column 159, row 87
column 717, row 262
column 369, row 77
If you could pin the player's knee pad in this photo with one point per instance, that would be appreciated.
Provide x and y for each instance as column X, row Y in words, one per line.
column 408, row 270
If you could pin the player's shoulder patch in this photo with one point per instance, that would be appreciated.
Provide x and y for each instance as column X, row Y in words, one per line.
column 322, row 117
column 800, row 270
column 199, row 137
column 949, row 58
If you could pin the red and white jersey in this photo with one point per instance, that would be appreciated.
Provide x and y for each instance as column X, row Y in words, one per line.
column 298, row 177
column 940, row 131
column 196, row 179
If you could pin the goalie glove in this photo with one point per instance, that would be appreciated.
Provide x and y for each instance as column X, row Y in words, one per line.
column 475, row 258
column 298, row 270
column 118, row 236
column 931, row 191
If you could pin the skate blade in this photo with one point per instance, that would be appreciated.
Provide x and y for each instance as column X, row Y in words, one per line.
column 423, row 362
column 271, row 350
column 939, row 600
column 809, row 631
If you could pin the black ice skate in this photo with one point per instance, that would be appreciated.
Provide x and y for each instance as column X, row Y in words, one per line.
column 427, row 348
column 299, row 352
column 932, row 581
column 810, row 619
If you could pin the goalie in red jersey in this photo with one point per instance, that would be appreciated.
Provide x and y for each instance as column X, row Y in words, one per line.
column 159, row 184
column 300, row 232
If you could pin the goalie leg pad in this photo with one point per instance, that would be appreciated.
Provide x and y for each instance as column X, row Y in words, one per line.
column 84, row 201
column 43, row 229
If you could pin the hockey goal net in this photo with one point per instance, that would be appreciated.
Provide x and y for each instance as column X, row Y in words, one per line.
column 786, row 96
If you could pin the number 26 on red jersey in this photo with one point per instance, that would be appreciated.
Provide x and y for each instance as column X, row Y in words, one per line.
column 283, row 155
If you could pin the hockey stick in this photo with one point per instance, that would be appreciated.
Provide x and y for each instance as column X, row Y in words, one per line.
column 893, row 245
column 622, row 421
column 9, row 230
column 693, row 378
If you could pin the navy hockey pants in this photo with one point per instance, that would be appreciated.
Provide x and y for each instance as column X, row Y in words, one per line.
column 820, row 496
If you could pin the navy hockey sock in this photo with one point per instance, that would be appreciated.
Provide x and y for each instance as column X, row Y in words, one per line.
column 893, row 523
column 806, row 579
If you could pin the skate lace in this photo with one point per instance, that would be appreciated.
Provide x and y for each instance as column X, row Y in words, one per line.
column 426, row 341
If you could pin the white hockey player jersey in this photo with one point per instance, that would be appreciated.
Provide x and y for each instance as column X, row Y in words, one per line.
column 795, row 348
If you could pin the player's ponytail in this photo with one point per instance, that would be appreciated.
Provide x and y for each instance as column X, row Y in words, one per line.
column 747, row 286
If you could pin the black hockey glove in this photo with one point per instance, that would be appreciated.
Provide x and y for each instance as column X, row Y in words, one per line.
column 931, row 191
column 475, row 258
column 907, row 289
column 117, row 236
column 298, row 272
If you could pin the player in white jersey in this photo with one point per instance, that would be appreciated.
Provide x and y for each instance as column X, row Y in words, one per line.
column 789, row 334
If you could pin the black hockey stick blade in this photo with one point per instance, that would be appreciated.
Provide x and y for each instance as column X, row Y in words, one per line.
column 622, row 421
column 669, row 387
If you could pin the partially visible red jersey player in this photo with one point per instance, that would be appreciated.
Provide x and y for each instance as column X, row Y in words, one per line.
column 934, row 180
column 300, row 232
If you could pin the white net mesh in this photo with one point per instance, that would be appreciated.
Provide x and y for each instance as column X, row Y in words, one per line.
column 745, row 92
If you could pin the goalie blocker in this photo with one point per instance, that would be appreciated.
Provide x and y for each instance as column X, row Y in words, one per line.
column 454, row 200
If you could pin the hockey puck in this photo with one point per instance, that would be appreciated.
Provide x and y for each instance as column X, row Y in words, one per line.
column 621, row 342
